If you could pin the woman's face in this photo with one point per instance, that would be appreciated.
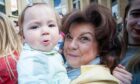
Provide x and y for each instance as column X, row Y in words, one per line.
column 133, row 23
column 80, row 46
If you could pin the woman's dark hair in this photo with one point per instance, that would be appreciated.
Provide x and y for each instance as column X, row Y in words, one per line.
column 105, row 31
column 134, row 63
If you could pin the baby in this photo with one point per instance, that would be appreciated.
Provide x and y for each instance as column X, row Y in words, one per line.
column 39, row 62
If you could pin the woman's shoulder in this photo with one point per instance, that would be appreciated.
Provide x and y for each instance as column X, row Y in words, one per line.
column 136, row 77
column 95, row 68
column 94, row 73
column 131, row 51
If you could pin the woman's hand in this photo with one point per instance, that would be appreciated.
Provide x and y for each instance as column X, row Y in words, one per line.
column 122, row 74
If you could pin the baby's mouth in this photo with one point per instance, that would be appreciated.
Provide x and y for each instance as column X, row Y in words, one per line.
column 46, row 42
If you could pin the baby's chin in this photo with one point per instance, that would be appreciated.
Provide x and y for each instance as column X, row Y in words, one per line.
column 46, row 49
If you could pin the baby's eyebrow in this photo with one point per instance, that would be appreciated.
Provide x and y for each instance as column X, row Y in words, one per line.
column 34, row 22
column 51, row 21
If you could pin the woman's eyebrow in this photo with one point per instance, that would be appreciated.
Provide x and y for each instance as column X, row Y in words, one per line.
column 87, row 33
column 135, row 10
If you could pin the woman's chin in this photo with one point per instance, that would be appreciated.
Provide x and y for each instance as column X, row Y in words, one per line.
column 73, row 65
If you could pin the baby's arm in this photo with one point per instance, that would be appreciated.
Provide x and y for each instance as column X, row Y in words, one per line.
column 32, row 69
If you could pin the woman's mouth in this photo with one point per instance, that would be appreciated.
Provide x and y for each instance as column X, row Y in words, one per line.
column 72, row 55
column 137, row 31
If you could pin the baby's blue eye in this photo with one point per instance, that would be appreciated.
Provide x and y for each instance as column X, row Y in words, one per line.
column 51, row 25
column 34, row 27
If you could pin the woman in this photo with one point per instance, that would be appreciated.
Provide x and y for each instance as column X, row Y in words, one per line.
column 131, row 29
column 131, row 36
column 91, row 47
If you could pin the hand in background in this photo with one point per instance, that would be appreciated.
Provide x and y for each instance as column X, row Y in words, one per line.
column 122, row 74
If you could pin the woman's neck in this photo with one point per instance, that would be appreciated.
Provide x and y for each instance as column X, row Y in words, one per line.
column 134, row 45
column 134, row 42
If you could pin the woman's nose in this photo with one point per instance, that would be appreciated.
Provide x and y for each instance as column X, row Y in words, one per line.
column 73, row 44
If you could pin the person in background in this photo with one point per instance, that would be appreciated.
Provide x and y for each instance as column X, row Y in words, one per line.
column 10, row 47
column 131, row 30
column 39, row 62
column 91, row 47
column 131, row 37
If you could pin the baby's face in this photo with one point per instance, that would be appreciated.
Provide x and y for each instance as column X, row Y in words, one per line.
column 40, row 28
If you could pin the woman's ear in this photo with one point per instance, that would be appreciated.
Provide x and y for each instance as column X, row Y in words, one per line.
column 126, row 19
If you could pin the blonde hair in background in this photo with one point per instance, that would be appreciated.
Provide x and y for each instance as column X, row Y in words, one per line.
column 9, row 41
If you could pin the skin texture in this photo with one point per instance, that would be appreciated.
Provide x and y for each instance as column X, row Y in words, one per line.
column 133, row 23
column 40, row 29
column 79, row 45
column 124, row 76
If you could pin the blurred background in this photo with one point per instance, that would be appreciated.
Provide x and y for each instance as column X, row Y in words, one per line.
column 12, row 8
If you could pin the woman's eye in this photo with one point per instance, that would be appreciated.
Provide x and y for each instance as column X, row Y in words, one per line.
column 135, row 14
column 83, row 39
column 51, row 25
column 68, row 37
